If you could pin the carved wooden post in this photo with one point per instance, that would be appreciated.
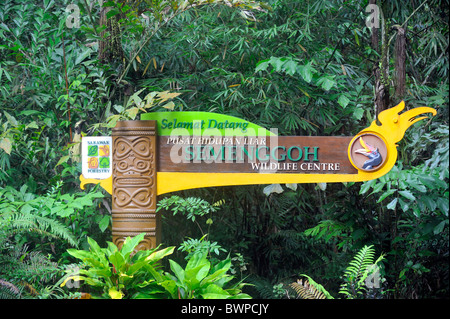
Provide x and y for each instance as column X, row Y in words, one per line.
column 134, row 183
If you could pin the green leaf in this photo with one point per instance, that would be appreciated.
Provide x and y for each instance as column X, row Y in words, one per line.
column 216, row 276
column 11, row 119
column 440, row 227
column 170, row 286
column 196, row 260
column 32, row 125
column 196, row 270
column 111, row 249
column 95, row 248
column 112, row 13
column 326, row 82
column 378, row 187
column 6, row 145
column 366, row 186
column 104, row 223
column 215, row 292
column 26, row 209
column 135, row 267
column 63, row 159
column 202, row 271
column 358, row 113
column 262, row 65
column 160, row 254
column 290, row 67
column 407, row 194
column 386, row 194
column 429, row 202
column 392, row 204
column 80, row 254
column 66, row 212
column 356, row 37
column 307, row 72
column 428, row 181
column 404, row 205
column 442, row 204
column 130, row 244
column 343, row 101
column 418, row 186
column 277, row 63
column 222, row 265
column 118, row 260
column 115, row 294
column 177, row 270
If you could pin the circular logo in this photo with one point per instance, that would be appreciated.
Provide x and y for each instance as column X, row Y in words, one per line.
column 368, row 152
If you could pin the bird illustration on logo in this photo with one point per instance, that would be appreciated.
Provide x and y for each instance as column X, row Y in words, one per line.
column 371, row 152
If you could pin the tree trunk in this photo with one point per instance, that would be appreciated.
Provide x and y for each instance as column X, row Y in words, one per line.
column 400, row 63
column 381, row 73
column 110, row 46
column 375, row 33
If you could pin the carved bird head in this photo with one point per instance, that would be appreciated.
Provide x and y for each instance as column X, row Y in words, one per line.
column 392, row 129
column 367, row 150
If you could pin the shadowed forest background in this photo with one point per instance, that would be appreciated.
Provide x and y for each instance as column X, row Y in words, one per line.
column 70, row 68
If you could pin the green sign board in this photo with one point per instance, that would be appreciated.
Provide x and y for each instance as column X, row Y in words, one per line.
column 203, row 123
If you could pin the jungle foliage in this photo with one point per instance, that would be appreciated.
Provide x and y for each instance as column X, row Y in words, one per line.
column 305, row 67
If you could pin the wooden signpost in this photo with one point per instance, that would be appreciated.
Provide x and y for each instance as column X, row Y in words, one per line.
column 171, row 151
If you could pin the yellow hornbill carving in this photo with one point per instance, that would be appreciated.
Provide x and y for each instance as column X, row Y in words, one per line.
column 394, row 125
column 391, row 131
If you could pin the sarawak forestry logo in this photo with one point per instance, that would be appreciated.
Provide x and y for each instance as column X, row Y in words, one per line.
column 97, row 161
column 98, row 156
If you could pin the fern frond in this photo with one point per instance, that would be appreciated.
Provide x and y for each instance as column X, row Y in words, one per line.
column 219, row 203
column 263, row 287
column 44, row 226
column 305, row 290
column 357, row 272
column 8, row 290
column 360, row 263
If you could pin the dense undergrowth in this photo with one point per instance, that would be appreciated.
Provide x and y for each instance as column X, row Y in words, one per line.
column 304, row 67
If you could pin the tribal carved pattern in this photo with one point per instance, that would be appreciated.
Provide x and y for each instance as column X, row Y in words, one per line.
column 134, row 183
column 133, row 173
